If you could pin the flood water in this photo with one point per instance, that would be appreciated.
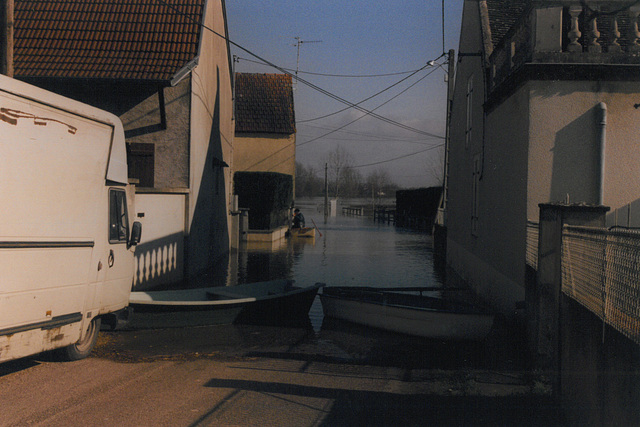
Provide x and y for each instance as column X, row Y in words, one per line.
column 347, row 251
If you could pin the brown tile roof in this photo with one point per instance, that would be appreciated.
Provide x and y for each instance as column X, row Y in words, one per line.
column 114, row 39
column 264, row 103
column 503, row 14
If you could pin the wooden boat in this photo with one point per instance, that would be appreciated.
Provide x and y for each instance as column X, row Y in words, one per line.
column 276, row 302
column 307, row 232
column 252, row 302
column 407, row 311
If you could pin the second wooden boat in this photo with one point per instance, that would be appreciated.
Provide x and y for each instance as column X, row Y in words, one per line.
column 307, row 232
column 407, row 311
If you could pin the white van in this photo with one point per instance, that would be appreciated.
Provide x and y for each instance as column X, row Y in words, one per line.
column 66, row 232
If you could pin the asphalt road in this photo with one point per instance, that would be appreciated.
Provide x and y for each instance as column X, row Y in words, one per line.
column 267, row 376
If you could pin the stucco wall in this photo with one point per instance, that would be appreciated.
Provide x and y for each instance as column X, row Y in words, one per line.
column 160, row 254
column 503, row 197
column 460, row 190
column 565, row 148
column 265, row 153
column 171, row 145
column 211, row 143
column 538, row 145
column 490, row 256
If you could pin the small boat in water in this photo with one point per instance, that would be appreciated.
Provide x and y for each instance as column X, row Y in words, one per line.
column 267, row 302
column 307, row 232
column 407, row 311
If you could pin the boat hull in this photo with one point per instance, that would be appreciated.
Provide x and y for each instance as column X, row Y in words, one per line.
column 270, row 302
column 306, row 232
column 427, row 323
column 285, row 310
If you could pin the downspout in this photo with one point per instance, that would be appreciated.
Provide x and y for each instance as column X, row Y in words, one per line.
column 6, row 44
column 601, row 119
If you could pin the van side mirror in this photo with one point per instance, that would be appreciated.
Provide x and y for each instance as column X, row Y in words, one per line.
column 136, row 234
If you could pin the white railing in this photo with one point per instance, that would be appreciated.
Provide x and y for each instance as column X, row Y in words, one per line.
column 570, row 31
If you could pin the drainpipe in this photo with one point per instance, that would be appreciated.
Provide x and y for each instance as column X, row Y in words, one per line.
column 602, row 143
column 6, row 38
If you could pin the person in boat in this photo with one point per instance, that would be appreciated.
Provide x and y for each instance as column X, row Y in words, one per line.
column 298, row 219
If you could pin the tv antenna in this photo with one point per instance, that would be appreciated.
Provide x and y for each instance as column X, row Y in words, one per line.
column 299, row 42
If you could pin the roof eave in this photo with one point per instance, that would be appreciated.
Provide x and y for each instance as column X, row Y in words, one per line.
column 184, row 71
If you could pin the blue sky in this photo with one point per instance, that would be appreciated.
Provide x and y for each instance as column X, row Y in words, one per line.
column 355, row 38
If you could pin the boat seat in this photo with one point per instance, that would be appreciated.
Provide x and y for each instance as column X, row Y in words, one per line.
column 222, row 293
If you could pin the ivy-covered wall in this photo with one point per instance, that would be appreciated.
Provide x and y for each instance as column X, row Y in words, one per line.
column 267, row 195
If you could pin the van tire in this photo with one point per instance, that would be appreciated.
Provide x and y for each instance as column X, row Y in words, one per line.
column 83, row 347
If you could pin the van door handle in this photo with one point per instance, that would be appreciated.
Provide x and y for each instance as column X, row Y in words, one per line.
column 111, row 259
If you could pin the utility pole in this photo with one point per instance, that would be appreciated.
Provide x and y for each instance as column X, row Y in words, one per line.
column 298, row 44
column 326, row 193
column 6, row 39
column 451, row 61
column 233, row 87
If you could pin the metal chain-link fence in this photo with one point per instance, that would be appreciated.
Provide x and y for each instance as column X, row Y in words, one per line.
column 601, row 271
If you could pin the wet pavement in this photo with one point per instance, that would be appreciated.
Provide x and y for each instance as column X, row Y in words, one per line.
column 320, row 372
column 370, row 377
column 339, row 374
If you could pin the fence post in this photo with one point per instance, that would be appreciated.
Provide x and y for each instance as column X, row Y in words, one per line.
column 544, row 308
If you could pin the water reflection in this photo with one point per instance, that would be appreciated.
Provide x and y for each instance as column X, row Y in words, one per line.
column 348, row 251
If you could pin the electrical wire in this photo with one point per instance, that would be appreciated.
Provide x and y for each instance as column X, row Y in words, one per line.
column 429, row 64
column 345, row 125
column 355, row 139
column 303, row 81
column 444, row 49
column 378, row 136
column 371, row 113
column 398, row 158
column 399, row 73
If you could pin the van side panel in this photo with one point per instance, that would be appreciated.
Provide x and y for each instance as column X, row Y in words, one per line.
column 53, row 225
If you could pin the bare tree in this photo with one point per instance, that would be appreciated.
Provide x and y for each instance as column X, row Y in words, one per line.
column 350, row 182
column 435, row 167
column 308, row 181
column 378, row 183
column 338, row 160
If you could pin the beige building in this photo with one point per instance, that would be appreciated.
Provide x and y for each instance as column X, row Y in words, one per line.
column 164, row 69
column 265, row 132
column 545, row 109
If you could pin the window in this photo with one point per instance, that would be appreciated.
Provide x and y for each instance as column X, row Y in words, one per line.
column 475, row 210
column 118, row 218
column 469, row 126
column 140, row 160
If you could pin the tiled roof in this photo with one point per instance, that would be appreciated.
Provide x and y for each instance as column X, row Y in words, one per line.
column 115, row 39
column 264, row 103
column 503, row 14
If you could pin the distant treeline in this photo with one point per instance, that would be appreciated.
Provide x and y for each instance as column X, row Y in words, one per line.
column 346, row 183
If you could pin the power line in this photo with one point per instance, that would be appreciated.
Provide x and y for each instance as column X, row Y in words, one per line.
column 361, row 133
column 372, row 113
column 345, row 125
column 303, row 81
column 444, row 49
column 399, row 73
column 390, row 139
column 430, row 63
column 398, row 158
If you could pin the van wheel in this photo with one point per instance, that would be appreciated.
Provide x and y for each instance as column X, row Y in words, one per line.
column 82, row 348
